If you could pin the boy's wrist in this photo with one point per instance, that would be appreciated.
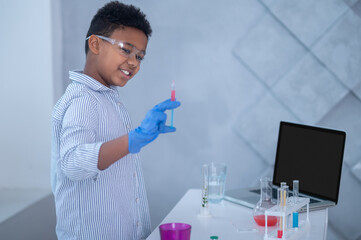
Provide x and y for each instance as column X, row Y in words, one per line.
column 138, row 139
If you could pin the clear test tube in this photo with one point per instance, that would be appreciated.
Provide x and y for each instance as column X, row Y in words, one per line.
column 295, row 190
column 295, row 200
column 282, row 195
column 285, row 197
column 205, row 182
column 286, row 192
column 282, row 184
column 279, row 196
column 205, row 186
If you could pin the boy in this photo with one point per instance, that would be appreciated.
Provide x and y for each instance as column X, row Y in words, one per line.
column 96, row 174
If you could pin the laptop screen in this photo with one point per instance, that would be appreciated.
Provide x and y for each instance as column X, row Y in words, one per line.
column 311, row 155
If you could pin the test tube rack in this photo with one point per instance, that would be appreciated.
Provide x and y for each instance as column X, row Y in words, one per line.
column 292, row 205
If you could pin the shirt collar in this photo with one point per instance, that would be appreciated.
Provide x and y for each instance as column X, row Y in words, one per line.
column 79, row 76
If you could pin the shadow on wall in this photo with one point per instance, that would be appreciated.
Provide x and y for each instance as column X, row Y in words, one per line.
column 356, row 8
column 34, row 223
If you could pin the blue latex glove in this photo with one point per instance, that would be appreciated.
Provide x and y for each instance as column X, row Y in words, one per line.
column 151, row 126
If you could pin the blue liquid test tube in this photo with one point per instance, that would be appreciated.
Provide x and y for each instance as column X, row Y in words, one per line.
column 295, row 220
column 171, row 118
column 295, row 197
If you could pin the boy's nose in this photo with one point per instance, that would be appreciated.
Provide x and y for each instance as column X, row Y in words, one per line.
column 132, row 60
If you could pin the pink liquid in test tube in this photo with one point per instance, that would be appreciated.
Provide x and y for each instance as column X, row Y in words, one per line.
column 172, row 98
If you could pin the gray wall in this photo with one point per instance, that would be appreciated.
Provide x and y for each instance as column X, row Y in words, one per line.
column 240, row 67
column 26, row 98
column 37, row 222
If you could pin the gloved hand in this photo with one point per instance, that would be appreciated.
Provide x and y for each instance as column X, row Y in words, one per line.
column 151, row 126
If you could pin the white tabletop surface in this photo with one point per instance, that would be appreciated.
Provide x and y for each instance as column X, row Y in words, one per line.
column 230, row 221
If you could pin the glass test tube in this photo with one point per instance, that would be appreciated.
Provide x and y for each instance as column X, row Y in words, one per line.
column 172, row 98
column 282, row 195
column 279, row 191
column 204, row 211
column 286, row 188
column 205, row 186
column 280, row 203
column 295, row 200
column 295, row 190
column 285, row 197
column 280, row 198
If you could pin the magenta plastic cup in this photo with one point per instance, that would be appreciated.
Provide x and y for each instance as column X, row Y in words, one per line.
column 175, row 231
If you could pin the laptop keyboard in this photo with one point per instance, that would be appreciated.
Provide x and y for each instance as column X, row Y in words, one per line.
column 274, row 194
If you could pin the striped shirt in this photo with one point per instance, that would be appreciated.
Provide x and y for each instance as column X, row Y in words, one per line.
column 90, row 203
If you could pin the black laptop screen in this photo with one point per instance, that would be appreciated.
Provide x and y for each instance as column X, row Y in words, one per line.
column 312, row 155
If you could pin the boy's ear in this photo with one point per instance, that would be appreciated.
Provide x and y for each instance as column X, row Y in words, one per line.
column 93, row 43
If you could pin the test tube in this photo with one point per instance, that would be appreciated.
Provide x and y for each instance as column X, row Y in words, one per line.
column 282, row 184
column 172, row 98
column 279, row 203
column 282, row 195
column 283, row 199
column 295, row 190
column 205, row 186
column 279, row 191
column 286, row 188
column 204, row 206
column 295, row 220
column 295, row 200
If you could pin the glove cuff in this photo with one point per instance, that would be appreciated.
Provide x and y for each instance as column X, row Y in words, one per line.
column 138, row 139
column 133, row 147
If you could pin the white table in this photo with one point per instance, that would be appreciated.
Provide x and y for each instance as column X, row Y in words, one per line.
column 230, row 221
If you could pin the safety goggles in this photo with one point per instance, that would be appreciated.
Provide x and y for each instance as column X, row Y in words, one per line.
column 125, row 49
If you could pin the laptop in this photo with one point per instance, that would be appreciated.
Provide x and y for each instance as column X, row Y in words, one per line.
column 310, row 154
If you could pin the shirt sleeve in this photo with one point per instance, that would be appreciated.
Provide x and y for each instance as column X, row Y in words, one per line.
column 79, row 150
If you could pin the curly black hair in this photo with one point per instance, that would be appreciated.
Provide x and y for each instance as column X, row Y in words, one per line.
column 115, row 15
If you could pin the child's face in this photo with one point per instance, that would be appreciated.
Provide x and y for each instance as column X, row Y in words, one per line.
column 113, row 66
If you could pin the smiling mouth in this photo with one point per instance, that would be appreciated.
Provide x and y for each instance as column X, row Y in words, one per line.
column 127, row 73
